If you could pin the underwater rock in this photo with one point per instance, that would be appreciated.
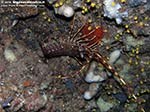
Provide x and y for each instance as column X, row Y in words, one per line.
column 114, row 56
column 35, row 102
column 132, row 42
column 121, row 97
column 103, row 105
column 93, row 88
column 69, row 85
column 1, row 109
column 44, row 85
column 51, row 1
column 91, row 76
column 6, row 103
column 9, row 55
column 17, row 103
column 135, row 3
column 77, row 3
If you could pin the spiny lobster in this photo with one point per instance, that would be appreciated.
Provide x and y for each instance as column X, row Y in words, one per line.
column 82, row 46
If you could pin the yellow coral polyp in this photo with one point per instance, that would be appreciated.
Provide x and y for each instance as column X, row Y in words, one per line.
column 97, row 27
column 44, row 17
column 89, row 28
column 110, row 86
column 117, row 35
column 144, row 100
column 138, row 94
column 142, row 91
column 123, row 1
column 43, row 13
column 90, row 20
column 93, row 5
column 105, row 30
column 107, row 48
column 147, row 62
column 131, row 54
column 141, row 24
column 60, row 3
column 126, row 26
column 88, row 1
column 94, row 110
column 129, row 96
column 146, row 18
column 128, row 31
column 83, row 7
column 130, row 60
column 135, row 18
column 116, row 38
column 136, row 63
column 137, row 75
column 83, row 12
column 59, row 76
column 86, row 9
column 142, row 70
column 113, row 4
column 56, row 5
column 49, row 20
column 133, row 51
column 137, row 48
column 141, row 82
column 120, row 33
column 108, row 93
column 137, row 52
column 137, row 57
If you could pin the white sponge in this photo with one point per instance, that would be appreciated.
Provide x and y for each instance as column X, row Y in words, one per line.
column 111, row 10
column 65, row 10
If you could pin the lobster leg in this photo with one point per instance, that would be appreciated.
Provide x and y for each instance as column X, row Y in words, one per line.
column 102, row 60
